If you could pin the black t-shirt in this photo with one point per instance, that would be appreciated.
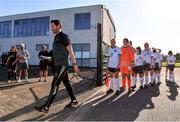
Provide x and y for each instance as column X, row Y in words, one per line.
column 43, row 53
column 12, row 57
column 60, row 53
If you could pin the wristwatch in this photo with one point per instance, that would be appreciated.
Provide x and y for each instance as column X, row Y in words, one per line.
column 74, row 64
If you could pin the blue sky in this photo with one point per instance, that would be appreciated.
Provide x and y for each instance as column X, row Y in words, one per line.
column 153, row 21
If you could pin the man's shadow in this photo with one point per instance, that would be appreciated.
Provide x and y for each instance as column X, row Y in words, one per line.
column 173, row 90
column 62, row 96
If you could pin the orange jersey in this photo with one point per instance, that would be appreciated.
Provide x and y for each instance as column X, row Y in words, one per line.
column 127, row 57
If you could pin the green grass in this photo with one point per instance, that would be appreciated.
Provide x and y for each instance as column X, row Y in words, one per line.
column 177, row 64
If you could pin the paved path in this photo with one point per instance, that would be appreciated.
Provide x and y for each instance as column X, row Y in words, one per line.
column 17, row 101
column 152, row 104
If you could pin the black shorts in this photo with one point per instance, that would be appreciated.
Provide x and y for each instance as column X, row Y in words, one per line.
column 147, row 67
column 113, row 70
column 157, row 67
column 138, row 70
column 171, row 67
column 43, row 66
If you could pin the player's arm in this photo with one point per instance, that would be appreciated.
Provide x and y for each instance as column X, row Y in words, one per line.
column 119, row 60
column 15, row 61
column 39, row 56
column 7, row 60
column 46, row 57
column 17, row 58
column 108, row 57
column 28, row 55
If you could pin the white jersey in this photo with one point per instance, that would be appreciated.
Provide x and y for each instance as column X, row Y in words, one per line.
column 148, row 55
column 171, row 60
column 23, row 53
column 153, row 59
column 138, row 60
column 158, row 58
column 114, row 57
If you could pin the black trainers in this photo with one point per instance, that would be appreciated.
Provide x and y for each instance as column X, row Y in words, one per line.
column 110, row 91
column 133, row 88
column 41, row 109
column 117, row 92
column 145, row 86
column 151, row 84
column 159, row 83
column 72, row 104
column 40, row 80
column 141, row 87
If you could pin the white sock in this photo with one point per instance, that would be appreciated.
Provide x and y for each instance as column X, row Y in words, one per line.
column 117, row 84
column 173, row 77
column 156, row 77
column 152, row 79
column 142, row 81
column 134, row 79
column 159, row 77
column 112, row 83
column 146, row 80
column 170, row 77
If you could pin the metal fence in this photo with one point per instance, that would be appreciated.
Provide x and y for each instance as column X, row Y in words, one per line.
column 105, row 57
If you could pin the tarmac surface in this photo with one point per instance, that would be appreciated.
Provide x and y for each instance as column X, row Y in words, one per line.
column 159, row 103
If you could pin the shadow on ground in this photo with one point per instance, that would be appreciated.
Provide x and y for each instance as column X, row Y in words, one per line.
column 125, row 107
column 173, row 90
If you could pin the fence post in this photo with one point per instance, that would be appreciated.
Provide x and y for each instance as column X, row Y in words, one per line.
column 99, row 56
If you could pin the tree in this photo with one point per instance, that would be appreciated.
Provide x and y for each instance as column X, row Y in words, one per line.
column 177, row 56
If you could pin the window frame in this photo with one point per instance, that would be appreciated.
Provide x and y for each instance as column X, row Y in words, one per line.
column 80, row 23
column 5, row 29
column 81, row 49
column 32, row 27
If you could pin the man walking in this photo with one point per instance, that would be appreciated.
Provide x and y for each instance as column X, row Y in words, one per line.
column 62, row 48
